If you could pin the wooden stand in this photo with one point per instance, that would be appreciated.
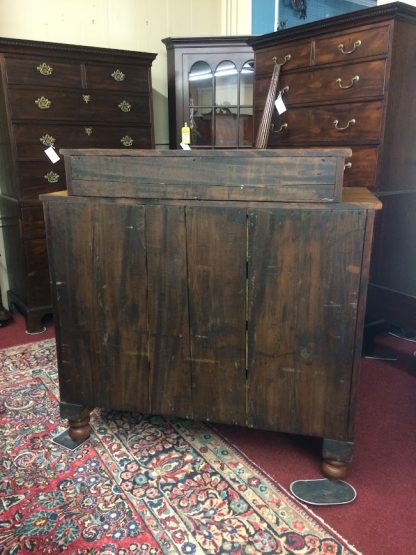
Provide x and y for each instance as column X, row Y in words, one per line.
column 225, row 286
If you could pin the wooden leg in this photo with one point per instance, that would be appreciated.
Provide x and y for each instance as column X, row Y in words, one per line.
column 78, row 420
column 79, row 430
column 336, row 454
column 334, row 470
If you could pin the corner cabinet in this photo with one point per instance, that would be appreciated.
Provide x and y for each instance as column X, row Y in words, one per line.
column 349, row 81
column 210, row 84
column 63, row 96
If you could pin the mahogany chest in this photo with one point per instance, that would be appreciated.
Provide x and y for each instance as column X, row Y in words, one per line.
column 350, row 81
column 58, row 95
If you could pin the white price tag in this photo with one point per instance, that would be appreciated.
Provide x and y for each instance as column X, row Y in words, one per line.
column 280, row 105
column 52, row 155
column 185, row 146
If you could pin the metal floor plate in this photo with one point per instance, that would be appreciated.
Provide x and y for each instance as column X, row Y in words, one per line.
column 323, row 491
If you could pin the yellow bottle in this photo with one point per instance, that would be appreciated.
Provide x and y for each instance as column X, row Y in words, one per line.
column 186, row 134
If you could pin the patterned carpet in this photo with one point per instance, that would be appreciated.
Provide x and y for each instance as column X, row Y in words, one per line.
column 139, row 485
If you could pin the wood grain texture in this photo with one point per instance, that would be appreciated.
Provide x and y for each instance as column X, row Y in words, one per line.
column 298, row 176
column 304, row 277
column 170, row 364
column 101, row 293
column 216, row 245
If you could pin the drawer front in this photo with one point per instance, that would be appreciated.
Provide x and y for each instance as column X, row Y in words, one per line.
column 36, row 178
column 338, row 84
column 48, row 105
column 357, row 43
column 44, row 72
column 340, row 124
column 296, row 55
column 117, row 77
column 32, row 222
column 361, row 168
column 32, row 139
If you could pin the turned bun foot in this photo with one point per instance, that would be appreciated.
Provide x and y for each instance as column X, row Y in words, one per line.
column 79, row 430
column 334, row 470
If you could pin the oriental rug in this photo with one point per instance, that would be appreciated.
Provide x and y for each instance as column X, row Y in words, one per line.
column 140, row 485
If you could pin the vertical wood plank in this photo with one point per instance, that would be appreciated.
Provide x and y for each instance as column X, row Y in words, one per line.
column 100, row 278
column 304, row 279
column 170, row 379
column 217, row 245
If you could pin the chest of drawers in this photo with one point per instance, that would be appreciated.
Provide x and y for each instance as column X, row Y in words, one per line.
column 62, row 96
column 350, row 81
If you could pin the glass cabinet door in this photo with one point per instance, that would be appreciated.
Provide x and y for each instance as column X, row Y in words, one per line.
column 220, row 103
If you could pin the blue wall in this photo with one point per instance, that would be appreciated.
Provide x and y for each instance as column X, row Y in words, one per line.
column 263, row 12
column 262, row 16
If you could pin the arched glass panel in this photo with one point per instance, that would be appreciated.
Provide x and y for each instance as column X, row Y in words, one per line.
column 246, row 84
column 226, row 84
column 200, row 85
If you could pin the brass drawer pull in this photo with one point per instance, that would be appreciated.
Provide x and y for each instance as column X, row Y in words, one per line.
column 126, row 141
column 348, row 166
column 355, row 79
column 356, row 45
column 86, row 98
column 52, row 177
column 287, row 58
column 350, row 123
column 125, row 106
column 44, row 69
column 118, row 75
column 43, row 103
column 88, row 131
column 281, row 128
column 47, row 140
column 285, row 90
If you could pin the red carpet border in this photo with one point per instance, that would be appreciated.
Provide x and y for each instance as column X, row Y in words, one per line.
column 140, row 485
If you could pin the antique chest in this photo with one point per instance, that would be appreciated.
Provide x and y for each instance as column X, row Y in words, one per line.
column 58, row 95
column 349, row 81
column 226, row 286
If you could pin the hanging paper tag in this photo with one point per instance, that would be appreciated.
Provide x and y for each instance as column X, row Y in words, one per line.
column 52, row 155
column 280, row 105
column 185, row 146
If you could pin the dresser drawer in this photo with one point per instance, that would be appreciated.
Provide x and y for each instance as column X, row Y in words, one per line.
column 36, row 178
column 357, row 123
column 296, row 56
column 357, row 43
column 335, row 84
column 49, row 105
column 43, row 72
column 117, row 77
column 361, row 168
column 32, row 139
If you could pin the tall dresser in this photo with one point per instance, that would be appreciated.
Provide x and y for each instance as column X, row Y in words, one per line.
column 62, row 96
column 350, row 81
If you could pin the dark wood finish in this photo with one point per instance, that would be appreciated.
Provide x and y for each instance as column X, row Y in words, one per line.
column 244, row 311
column 85, row 94
column 182, row 53
column 286, row 175
column 376, row 45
